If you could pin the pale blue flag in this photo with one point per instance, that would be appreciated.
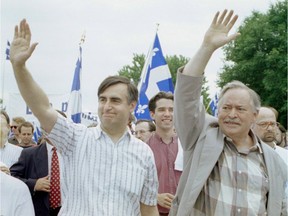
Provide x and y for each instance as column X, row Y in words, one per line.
column 214, row 105
column 7, row 51
column 75, row 101
column 155, row 77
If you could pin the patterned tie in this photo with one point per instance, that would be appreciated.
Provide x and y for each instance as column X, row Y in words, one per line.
column 55, row 195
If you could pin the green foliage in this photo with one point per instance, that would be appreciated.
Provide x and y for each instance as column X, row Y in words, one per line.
column 258, row 57
column 133, row 72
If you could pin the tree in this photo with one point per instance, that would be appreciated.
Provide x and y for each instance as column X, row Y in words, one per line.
column 258, row 57
column 133, row 72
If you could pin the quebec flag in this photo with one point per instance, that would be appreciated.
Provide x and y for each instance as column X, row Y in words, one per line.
column 155, row 77
column 7, row 51
column 214, row 105
column 75, row 100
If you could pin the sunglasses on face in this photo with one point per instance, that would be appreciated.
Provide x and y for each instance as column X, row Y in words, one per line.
column 15, row 127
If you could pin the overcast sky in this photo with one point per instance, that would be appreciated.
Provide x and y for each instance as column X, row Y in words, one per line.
column 114, row 31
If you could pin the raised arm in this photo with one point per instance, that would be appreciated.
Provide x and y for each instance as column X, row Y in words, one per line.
column 215, row 37
column 34, row 96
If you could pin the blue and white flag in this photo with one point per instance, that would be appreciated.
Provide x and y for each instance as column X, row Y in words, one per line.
column 214, row 105
column 155, row 77
column 7, row 51
column 75, row 100
column 37, row 133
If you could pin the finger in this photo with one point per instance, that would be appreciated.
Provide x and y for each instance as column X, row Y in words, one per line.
column 232, row 22
column 22, row 26
column 222, row 16
column 16, row 32
column 215, row 18
column 233, row 37
column 171, row 196
column 27, row 32
column 30, row 51
column 227, row 19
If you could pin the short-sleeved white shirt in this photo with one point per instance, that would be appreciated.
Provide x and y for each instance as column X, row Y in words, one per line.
column 15, row 198
column 104, row 178
column 10, row 154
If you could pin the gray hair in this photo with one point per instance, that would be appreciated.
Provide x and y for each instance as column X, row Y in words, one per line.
column 255, row 99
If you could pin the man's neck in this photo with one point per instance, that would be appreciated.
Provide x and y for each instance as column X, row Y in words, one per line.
column 166, row 135
column 244, row 142
column 114, row 134
column 271, row 144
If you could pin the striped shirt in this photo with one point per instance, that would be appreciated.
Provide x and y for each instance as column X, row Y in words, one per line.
column 104, row 178
column 10, row 154
column 237, row 185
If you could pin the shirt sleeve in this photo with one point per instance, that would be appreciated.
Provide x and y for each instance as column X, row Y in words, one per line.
column 150, row 187
column 65, row 135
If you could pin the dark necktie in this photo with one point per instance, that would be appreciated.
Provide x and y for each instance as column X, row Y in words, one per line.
column 55, row 195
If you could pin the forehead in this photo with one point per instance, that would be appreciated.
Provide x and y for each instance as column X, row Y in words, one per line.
column 266, row 114
column 26, row 129
column 142, row 125
column 239, row 97
column 117, row 90
column 163, row 102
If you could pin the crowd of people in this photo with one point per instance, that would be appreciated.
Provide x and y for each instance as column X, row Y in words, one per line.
column 182, row 162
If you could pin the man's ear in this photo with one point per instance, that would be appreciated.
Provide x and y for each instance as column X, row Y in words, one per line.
column 132, row 106
column 152, row 114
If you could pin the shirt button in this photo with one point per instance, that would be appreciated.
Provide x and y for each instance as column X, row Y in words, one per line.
column 239, row 210
column 239, row 172
column 239, row 190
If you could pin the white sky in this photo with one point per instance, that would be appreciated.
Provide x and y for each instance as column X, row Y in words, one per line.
column 114, row 31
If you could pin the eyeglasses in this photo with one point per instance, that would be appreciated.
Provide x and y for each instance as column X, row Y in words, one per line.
column 265, row 125
column 15, row 127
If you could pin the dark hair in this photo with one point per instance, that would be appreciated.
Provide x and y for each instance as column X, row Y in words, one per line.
column 152, row 126
column 4, row 113
column 132, row 91
column 158, row 96
column 26, row 124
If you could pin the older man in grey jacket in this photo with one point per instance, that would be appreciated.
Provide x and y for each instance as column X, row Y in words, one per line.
column 228, row 170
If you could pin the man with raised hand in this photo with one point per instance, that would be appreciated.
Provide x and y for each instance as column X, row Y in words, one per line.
column 107, row 170
column 228, row 170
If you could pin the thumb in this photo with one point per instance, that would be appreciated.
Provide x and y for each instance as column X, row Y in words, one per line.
column 233, row 37
column 32, row 48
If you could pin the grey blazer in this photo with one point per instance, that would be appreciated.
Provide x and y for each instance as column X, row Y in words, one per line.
column 203, row 147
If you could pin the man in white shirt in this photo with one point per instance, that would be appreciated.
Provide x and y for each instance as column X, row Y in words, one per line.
column 109, row 171
column 15, row 199
column 9, row 153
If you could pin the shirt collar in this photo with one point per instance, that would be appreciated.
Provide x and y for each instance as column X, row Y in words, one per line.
column 256, row 146
column 100, row 132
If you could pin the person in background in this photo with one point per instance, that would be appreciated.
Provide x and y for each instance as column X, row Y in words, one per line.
column 164, row 144
column 16, row 122
column 228, row 169
column 109, row 171
column 281, row 133
column 144, row 129
column 9, row 153
column 26, row 130
column 266, row 128
column 34, row 168
column 15, row 199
